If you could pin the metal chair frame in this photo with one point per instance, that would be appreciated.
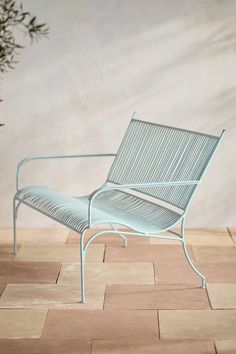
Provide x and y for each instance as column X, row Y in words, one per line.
column 141, row 187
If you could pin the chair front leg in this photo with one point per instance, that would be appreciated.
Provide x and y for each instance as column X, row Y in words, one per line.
column 82, row 260
column 15, row 212
column 14, row 225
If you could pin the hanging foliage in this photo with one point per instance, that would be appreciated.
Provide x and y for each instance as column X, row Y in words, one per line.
column 12, row 18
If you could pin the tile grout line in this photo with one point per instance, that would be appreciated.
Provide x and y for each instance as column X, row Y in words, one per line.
column 91, row 347
column 44, row 323
column 104, row 298
column 230, row 234
column 154, row 273
column 192, row 255
column 214, row 344
column 3, row 290
column 58, row 274
column 67, row 238
column 208, row 297
column 158, row 325
column 104, row 253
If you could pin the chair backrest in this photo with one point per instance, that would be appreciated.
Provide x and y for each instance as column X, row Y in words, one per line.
column 151, row 153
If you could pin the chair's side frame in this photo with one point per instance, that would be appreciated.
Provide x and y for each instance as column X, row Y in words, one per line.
column 180, row 237
column 53, row 157
column 41, row 157
column 123, row 234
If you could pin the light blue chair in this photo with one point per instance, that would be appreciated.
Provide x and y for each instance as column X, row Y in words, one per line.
column 148, row 188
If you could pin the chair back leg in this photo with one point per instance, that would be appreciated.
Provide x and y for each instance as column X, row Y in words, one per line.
column 14, row 225
column 120, row 235
column 203, row 284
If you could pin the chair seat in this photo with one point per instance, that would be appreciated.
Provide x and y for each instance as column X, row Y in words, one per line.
column 113, row 206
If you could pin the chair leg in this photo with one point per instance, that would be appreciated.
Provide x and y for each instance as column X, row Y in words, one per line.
column 82, row 259
column 203, row 284
column 14, row 225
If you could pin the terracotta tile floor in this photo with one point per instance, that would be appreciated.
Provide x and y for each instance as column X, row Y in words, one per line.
column 143, row 299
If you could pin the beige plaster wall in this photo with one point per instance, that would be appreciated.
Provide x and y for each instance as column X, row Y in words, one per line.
column 173, row 61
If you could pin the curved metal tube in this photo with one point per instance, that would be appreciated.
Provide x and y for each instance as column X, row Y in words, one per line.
column 49, row 157
column 121, row 235
column 105, row 188
column 17, row 207
column 203, row 285
column 83, row 250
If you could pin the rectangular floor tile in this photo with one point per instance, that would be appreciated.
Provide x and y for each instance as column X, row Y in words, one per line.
column 155, row 297
column 207, row 232
column 59, row 253
column 108, row 273
column 222, row 296
column 34, row 235
column 214, row 253
column 50, row 296
column 146, row 253
column 102, row 324
column 210, row 240
column 200, row 237
column 21, row 323
column 193, row 324
column 43, row 346
column 29, row 272
column 218, row 272
column 153, row 347
column 182, row 273
column 225, row 346
column 178, row 272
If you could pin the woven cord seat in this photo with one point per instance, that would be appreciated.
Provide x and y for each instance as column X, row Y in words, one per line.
column 148, row 188
column 115, row 207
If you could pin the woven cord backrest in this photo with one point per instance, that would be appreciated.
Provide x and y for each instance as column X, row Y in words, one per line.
column 151, row 153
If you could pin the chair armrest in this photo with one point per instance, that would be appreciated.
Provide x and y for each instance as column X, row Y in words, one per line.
column 134, row 186
column 49, row 157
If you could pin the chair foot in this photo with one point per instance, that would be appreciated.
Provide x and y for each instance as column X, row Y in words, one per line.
column 14, row 227
column 203, row 284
